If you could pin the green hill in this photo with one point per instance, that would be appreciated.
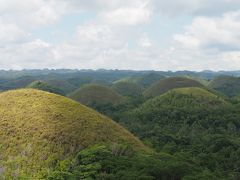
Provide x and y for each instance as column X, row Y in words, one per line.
column 198, row 79
column 228, row 85
column 127, row 88
column 64, row 85
column 194, row 124
column 167, row 84
column 94, row 93
column 16, row 83
column 41, row 85
column 144, row 80
column 192, row 97
column 38, row 129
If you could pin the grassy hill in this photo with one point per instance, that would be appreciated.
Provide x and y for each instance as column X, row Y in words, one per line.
column 38, row 129
column 127, row 88
column 167, row 84
column 41, row 85
column 94, row 93
column 228, row 85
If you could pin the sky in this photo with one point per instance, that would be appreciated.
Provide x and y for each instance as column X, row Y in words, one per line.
column 120, row 34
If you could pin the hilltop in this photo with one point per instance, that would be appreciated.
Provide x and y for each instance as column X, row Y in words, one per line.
column 167, row 84
column 228, row 85
column 127, row 88
column 144, row 80
column 193, row 97
column 95, row 93
column 39, row 128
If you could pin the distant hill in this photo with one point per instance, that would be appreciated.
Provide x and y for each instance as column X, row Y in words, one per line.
column 38, row 129
column 79, row 81
column 16, row 83
column 228, row 85
column 193, row 97
column 202, row 81
column 144, row 80
column 41, row 85
column 94, row 93
column 101, row 82
column 127, row 88
column 62, row 84
column 167, row 84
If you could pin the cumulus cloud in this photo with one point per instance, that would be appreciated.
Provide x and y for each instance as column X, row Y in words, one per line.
column 128, row 15
column 195, row 7
column 219, row 33
column 115, row 37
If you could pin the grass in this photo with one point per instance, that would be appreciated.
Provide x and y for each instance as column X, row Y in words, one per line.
column 37, row 129
column 94, row 93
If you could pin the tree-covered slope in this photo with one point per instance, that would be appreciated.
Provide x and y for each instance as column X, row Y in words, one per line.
column 41, row 85
column 194, row 124
column 228, row 85
column 94, row 93
column 38, row 129
column 127, row 88
column 167, row 84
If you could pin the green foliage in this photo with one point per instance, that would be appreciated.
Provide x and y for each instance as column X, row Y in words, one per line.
column 194, row 125
column 120, row 162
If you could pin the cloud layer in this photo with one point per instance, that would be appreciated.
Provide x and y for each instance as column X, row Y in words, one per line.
column 117, row 34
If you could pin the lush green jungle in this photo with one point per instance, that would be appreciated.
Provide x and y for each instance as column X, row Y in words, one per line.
column 119, row 124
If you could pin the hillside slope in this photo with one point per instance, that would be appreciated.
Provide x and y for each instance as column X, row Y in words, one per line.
column 228, row 85
column 37, row 129
column 194, row 124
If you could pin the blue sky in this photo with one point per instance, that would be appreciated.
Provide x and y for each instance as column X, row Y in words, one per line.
column 120, row 34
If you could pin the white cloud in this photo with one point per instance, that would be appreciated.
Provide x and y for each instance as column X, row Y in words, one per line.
column 219, row 33
column 10, row 33
column 116, row 37
column 195, row 7
column 128, row 15
column 145, row 42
